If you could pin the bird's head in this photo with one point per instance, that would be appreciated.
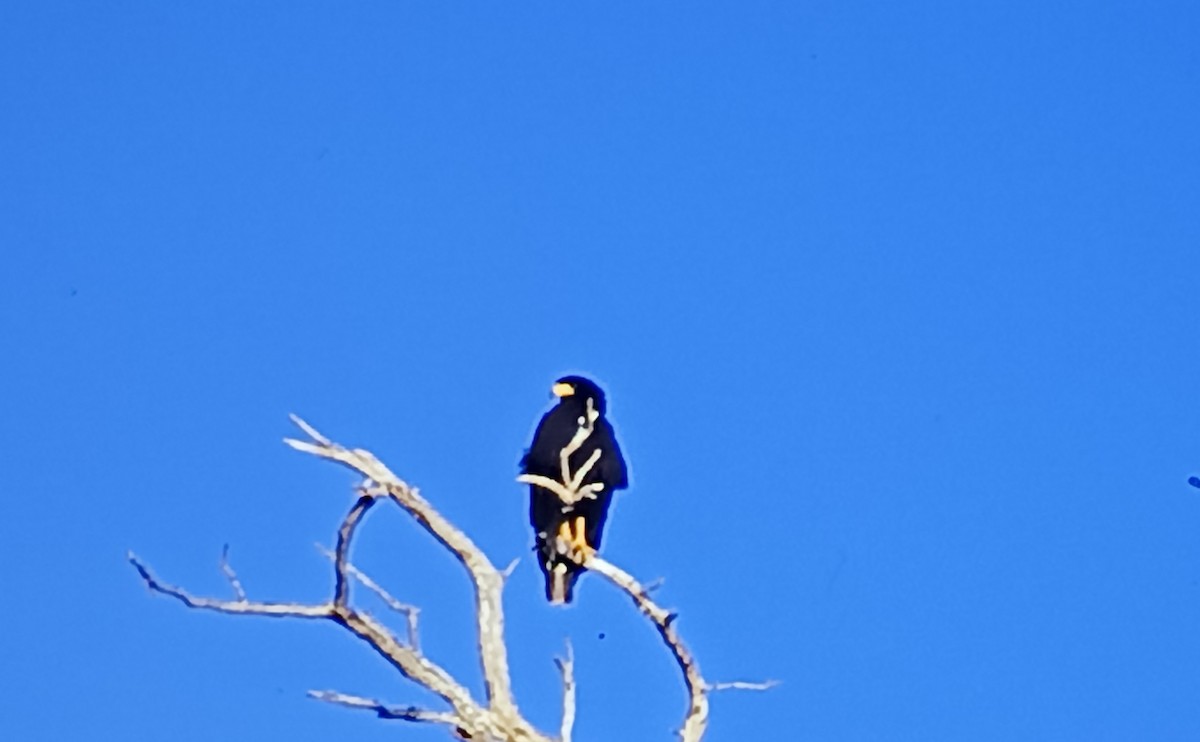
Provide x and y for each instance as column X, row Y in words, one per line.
column 576, row 390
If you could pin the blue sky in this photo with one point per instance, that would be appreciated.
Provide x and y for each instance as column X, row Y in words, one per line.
column 896, row 304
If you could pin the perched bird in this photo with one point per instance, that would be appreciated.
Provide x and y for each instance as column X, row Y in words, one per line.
column 580, row 404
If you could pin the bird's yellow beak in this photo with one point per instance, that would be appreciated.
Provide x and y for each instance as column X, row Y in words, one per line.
column 562, row 389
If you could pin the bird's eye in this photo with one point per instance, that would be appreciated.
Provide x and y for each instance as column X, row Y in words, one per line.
column 562, row 389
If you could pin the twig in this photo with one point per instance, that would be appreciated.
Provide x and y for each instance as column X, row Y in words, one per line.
column 507, row 571
column 243, row 607
column 571, row 489
column 586, row 424
column 341, row 588
column 410, row 612
column 743, row 685
column 309, row 430
column 383, row 711
column 410, row 664
column 566, row 494
column 234, row 582
column 566, row 666
column 577, row 480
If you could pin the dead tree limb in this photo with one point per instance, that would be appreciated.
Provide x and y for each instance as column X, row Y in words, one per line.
column 382, row 710
column 469, row 716
column 487, row 580
column 498, row 718
column 411, row 613
column 566, row 666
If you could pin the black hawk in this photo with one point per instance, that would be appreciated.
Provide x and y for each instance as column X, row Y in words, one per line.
column 580, row 404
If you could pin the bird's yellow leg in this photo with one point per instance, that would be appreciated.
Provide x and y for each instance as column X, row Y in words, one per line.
column 580, row 540
column 564, row 531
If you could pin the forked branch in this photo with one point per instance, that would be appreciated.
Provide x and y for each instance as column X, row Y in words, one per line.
column 487, row 580
column 497, row 719
column 465, row 713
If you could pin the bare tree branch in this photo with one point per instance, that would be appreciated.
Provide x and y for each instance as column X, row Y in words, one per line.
column 234, row 582
column 696, row 719
column 564, row 456
column 566, row 666
column 565, row 493
column 487, row 580
column 577, row 480
column 499, row 720
column 309, row 430
column 242, row 607
column 410, row 612
column 341, row 588
column 383, row 711
column 507, row 571
column 420, row 670
column 479, row 722
column 586, row 424
column 743, row 685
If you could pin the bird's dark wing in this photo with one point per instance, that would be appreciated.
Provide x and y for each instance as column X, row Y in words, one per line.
column 554, row 431
column 545, row 513
column 612, row 463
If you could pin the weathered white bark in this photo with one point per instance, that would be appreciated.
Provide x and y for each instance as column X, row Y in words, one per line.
column 498, row 718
